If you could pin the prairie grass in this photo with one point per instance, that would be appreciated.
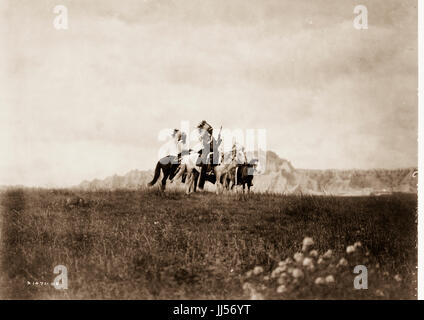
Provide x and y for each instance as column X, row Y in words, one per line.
column 148, row 244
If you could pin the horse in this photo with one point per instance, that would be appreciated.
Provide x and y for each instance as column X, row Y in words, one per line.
column 242, row 175
column 189, row 168
column 189, row 165
column 169, row 166
column 223, row 170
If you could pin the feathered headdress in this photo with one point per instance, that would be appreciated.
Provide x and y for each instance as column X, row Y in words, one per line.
column 205, row 126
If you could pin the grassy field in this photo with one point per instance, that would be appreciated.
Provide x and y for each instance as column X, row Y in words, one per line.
column 151, row 245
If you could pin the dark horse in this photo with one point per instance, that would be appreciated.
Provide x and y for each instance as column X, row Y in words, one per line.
column 244, row 172
column 169, row 166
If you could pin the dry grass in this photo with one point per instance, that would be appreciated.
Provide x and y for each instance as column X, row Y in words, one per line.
column 151, row 245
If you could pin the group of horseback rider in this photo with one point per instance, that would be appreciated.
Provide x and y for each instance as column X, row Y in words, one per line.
column 208, row 153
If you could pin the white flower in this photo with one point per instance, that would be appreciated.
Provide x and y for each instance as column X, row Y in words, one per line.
column 313, row 253
column 288, row 260
column 282, row 263
column 298, row 257
column 297, row 273
column 329, row 279
column 357, row 244
column 398, row 278
column 249, row 273
column 308, row 263
column 342, row 262
column 258, row 270
column 379, row 293
column 319, row 280
column 320, row 261
column 266, row 278
column 281, row 289
column 277, row 271
column 307, row 243
column 247, row 286
column 282, row 280
column 350, row 249
column 328, row 254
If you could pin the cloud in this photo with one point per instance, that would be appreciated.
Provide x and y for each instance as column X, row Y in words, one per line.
column 99, row 93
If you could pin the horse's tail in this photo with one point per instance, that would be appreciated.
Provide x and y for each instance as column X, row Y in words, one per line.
column 156, row 176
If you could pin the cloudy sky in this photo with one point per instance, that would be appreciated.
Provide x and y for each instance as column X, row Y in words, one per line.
column 90, row 101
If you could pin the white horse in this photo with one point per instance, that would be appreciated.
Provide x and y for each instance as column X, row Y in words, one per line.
column 188, row 166
column 222, row 170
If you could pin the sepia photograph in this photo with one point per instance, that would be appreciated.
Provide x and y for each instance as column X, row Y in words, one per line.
column 209, row 150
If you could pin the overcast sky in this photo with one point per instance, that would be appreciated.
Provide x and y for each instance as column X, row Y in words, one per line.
column 90, row 101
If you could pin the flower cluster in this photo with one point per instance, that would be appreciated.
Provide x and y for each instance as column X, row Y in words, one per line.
column 307, row 270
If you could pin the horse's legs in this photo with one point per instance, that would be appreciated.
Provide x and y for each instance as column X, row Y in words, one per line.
column 180, row 173
column 225, row 181
column 218, row 176
column 165, row 176
column 218, row 182
column 202, row 177
column 173, row 171
column 249, row 184
column 195, row 179
column 189, row 181
column 232, row 182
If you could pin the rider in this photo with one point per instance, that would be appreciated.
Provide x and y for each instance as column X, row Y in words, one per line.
column 178, row 145
column 209, row 156
column 238, row 153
